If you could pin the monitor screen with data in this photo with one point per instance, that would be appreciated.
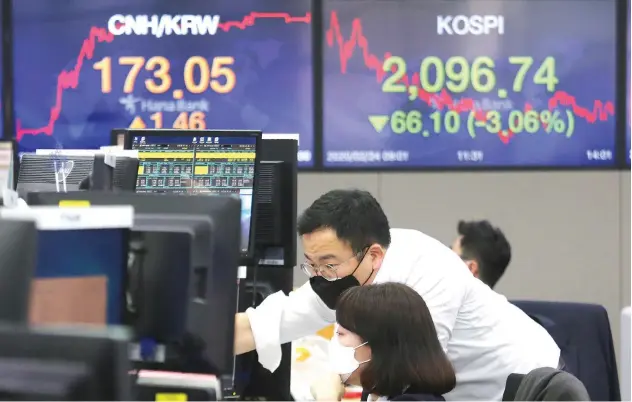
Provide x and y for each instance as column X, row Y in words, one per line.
column 84, row 67
column 469, row 83
column 218, row 162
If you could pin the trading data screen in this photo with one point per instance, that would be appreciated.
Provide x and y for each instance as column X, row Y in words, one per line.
column 85, row 67
column 199, row 165
column 469, row 83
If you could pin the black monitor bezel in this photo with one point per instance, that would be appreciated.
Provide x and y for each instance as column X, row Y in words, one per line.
column 247, row 256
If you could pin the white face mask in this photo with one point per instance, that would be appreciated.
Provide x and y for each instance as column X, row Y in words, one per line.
column 342, row 358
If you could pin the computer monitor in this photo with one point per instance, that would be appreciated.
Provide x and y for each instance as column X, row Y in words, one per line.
column 202, row 162
column 275, row 233
column 123, row 177
column 113, row 168
column 18, row 247
column 80, row 277
column 275, row 242
column 75, row 364
column 52, row 173
column 224, row 214
column 81, row 263
column 178, row 298
column 64, row 170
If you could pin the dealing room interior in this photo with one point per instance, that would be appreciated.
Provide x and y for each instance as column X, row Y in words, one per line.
column 190, row 190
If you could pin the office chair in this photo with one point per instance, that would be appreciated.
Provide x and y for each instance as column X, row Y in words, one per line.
column 545, row 384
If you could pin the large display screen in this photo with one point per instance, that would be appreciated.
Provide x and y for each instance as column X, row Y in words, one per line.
column 84, row 68
column 464, row 83
column 199, row 165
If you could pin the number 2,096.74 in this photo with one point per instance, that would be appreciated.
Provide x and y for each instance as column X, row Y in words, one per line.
column 457, row 74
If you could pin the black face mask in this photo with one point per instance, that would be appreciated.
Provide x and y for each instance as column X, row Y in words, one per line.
column 330, row 291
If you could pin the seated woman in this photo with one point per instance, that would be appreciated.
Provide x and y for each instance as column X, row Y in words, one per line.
column 386, row 342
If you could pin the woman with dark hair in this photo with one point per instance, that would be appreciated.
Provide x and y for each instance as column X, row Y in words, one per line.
column 386, row 342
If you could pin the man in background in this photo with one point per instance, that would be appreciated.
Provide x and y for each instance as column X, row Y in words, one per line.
column 484, row 248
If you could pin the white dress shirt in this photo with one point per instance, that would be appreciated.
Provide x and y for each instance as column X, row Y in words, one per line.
column 485, row 337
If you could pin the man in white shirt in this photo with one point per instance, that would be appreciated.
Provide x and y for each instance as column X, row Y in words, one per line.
column 348, row 242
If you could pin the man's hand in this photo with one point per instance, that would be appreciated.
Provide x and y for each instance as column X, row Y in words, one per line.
column 244, row 340
column 328, row 388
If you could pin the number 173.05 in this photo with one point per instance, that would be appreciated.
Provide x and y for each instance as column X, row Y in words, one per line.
column 199, row 74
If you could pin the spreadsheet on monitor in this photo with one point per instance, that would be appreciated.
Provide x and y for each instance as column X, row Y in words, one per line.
column 197, row 166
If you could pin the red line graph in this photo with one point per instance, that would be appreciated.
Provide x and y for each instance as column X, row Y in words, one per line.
column 346, row 48
column 68, row 79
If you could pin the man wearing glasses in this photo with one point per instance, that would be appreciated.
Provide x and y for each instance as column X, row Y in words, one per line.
column 348, row 242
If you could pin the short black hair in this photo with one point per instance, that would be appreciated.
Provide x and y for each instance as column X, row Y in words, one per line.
column 487, row 245
column 355, row 216
column 394, row 321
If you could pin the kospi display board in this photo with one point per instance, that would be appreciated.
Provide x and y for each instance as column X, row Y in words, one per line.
column 469, row 83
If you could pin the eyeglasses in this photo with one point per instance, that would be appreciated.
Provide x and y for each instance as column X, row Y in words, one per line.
column 328, row 271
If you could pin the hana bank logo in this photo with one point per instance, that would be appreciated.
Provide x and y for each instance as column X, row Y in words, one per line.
column 129, row 102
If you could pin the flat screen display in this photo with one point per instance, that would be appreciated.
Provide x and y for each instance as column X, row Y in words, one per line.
column 85, row 67
column 469, row 83
column 80, row 277
column 199, row 165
